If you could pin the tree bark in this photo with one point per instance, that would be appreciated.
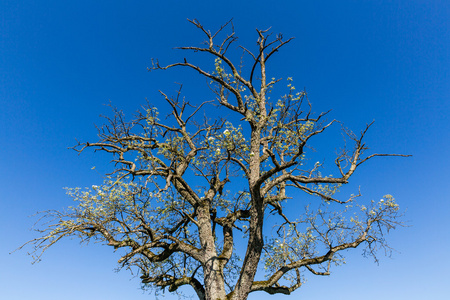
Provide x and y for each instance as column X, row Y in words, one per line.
column 214, row 281
column 212, row 267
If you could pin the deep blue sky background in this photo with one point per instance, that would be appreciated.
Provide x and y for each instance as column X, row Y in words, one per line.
column 61, row 61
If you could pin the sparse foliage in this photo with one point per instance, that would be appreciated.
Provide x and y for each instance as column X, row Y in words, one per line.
column 201, row 202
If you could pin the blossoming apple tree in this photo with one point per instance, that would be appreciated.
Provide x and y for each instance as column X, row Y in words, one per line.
column 202, row 202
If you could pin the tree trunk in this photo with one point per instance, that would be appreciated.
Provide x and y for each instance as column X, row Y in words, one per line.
column 252, row 256
column 212, row 266
column 213, row 277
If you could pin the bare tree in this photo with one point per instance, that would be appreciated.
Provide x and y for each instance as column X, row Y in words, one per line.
column 174, row 202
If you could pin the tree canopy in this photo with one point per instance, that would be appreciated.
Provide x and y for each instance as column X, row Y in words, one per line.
column 201, row 201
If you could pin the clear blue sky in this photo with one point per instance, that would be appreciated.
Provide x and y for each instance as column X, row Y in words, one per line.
column 61, row 61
